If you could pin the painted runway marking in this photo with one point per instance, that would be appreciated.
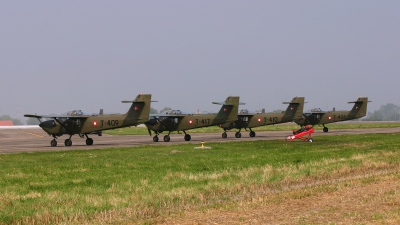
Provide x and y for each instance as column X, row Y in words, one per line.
column 37, row 135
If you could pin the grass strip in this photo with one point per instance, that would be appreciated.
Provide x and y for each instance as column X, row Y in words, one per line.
column 144, row 184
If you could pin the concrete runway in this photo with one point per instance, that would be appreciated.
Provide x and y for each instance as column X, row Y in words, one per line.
column 34, row 139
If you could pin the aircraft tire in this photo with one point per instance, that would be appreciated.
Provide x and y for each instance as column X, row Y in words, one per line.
column 238, row 135
column 187, row 137
column 89, row 141
column 167, row 138
column 224, row 135
column 155, row 138
column 325, row 129
column 68, row 142
column 53, row 143
column 252, row 134
column 310, row 140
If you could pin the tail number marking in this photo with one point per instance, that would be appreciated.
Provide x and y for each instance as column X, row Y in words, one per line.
column 339, row 117
column 203, row 121
column 270, row 119
column 110, row 123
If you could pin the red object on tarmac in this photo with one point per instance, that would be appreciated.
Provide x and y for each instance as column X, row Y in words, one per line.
column 6, row 123
column 300, row 135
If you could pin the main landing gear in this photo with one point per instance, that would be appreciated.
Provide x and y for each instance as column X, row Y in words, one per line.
column 325, row 129
column 167, row 138
column 68, row 142
column 238, row 134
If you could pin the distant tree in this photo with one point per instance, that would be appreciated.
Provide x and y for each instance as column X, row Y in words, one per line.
column 376, row 116
column 17, row 122
column 5, row 117
column 388, row 112
column 153, row 110
column 32, row 121
column 165, row 109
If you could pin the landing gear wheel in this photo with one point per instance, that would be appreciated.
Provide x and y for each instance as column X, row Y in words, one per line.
column 167, row 138
column 325, row 129
column 252, row 134
column 89, row 141
column 310, row 140
column 68, row 142
column 224, row 135
column 53, row 143
column 155, row 138
column 238, row 135
column 187, row 137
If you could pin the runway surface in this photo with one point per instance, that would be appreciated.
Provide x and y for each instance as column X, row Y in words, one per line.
column 34, row 139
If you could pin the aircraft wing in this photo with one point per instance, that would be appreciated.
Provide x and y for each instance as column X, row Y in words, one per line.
column 246, row 114
column 168, row 115
column 56, row 116
column 320, row 113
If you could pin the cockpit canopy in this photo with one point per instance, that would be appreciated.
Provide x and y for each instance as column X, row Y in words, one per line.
column 78, row 112
column 317, row 110
column 174, row 112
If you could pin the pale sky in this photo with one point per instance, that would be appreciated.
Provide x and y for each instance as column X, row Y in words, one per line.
column 62, row 55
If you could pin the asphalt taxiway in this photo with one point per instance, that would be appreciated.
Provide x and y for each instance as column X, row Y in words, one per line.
column 34, row 139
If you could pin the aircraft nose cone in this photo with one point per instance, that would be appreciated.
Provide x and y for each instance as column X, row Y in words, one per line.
column 47, row 124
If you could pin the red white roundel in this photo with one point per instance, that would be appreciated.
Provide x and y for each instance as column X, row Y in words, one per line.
column 136, row 108
column 94, row 123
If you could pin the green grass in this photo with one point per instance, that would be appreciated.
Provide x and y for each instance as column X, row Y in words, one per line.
column 277, row 127
column 144, row 183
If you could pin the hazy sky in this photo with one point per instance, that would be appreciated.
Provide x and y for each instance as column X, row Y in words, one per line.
column 57, row 56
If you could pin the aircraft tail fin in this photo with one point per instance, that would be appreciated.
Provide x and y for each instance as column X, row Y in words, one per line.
column 360, row 107
column 140, row 108
column 294, row 111
column 229, row 109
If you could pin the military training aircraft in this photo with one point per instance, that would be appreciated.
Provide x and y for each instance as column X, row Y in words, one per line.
column 318, row 116
column 250, row 120
column 175, row 120
column 78, row 122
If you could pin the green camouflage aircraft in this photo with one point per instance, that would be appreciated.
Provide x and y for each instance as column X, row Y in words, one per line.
column 250, row 120
column 78, row 122
column 318, row 116
column 175, row 120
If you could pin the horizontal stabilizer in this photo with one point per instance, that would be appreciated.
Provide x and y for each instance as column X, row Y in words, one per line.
column 360, row 100
column 224, row 103
column 128, row 101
